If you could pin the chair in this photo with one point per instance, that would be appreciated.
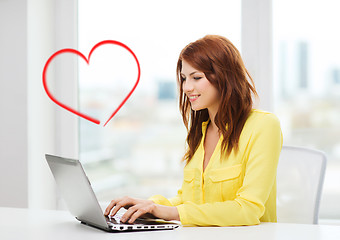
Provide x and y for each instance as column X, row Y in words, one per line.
column 300, row 176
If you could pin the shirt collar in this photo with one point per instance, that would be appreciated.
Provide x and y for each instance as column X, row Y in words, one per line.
column 204, row 126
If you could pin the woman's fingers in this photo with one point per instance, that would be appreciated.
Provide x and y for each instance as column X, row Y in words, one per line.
column 134, row 212
column 141, row 209
column 109, row 208
column 127, row 215
column 140, row 212
column 135, row 208
column 117, row 204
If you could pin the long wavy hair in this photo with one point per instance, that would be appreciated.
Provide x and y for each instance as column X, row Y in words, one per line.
column 223, row 66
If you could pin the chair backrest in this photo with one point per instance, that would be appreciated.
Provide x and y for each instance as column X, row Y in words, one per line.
column 300, row 176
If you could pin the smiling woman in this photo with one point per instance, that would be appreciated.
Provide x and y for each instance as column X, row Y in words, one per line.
column 216, row 58
column 233, row 150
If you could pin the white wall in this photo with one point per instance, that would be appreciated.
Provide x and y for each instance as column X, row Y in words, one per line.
column 257, row 47
column 31, row 124
column 13, row 106
column 53, row 130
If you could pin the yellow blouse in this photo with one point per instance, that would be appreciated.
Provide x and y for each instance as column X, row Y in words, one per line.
column 238, row 190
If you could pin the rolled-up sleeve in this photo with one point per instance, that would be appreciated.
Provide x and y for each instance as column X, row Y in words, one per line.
column 159, row 199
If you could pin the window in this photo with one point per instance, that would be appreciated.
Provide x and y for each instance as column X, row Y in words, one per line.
column 138, row 153
column 307, row 84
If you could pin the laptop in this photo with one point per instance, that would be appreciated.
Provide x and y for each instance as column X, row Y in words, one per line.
column 81, row 201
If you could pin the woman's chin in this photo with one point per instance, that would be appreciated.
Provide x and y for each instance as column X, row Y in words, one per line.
column 196, row 108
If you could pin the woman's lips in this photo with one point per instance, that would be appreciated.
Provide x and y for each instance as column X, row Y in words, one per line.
column 193, row 97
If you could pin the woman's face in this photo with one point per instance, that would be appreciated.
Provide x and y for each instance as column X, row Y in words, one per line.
column 200, row 92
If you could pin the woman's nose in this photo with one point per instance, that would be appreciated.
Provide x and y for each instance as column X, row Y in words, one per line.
column 187, row 86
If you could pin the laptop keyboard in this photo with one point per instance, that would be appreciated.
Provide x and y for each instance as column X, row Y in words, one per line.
column 139, row 224
column 115, row 219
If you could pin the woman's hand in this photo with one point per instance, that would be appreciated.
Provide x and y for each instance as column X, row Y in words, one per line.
column 140, row 208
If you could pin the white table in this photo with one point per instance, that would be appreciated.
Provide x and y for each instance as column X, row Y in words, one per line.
column 60, row 225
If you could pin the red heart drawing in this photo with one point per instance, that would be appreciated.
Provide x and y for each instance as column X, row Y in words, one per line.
column 87, row 60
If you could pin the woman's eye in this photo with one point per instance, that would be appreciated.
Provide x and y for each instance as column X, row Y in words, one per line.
column 183, row 79
column 197, row 78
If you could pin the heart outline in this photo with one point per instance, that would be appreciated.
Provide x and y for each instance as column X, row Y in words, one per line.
column 87, row 60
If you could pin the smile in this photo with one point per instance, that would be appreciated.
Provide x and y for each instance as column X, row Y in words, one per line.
column 193, row 97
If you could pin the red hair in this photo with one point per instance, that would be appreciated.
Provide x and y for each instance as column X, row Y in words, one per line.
column 223, row 66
